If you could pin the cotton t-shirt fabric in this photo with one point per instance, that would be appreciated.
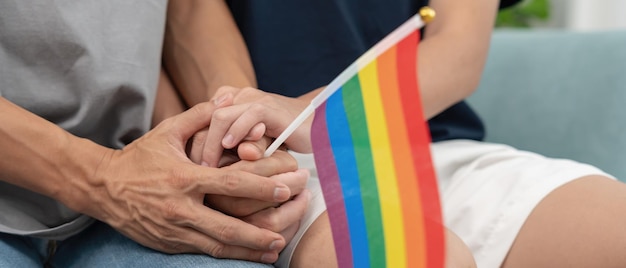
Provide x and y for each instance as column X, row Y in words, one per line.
column 89, row 66
column 299, row 45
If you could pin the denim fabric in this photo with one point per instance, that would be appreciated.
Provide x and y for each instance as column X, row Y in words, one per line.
column 17, row 251
column 100, row 246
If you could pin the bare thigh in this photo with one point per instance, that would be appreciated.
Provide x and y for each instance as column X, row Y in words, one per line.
column 316, row 248
column 580, row 224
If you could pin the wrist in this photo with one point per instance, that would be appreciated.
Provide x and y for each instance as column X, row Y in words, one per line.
column 81, row 159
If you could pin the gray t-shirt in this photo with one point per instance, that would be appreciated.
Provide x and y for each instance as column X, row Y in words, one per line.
column 89, row 66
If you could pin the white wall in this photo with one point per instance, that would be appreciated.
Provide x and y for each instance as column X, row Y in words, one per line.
column 588, row 15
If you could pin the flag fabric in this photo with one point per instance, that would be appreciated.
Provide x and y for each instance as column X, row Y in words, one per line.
column 371, row 145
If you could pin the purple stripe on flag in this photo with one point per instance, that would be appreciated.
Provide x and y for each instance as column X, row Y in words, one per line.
column 331, row 187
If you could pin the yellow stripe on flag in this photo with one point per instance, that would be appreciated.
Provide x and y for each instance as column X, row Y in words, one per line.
column 385, row 172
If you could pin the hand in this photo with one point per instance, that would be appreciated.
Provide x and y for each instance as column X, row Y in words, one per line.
column 253, row 111
column 283, row 218
column 151, row 192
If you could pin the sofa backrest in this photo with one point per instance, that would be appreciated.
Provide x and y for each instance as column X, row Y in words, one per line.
column 558, row 93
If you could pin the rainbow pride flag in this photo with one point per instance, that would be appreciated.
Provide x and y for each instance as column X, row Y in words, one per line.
column 371, row 148
column 372, row 151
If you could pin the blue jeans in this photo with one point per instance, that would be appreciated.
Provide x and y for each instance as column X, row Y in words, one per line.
column 99, row 246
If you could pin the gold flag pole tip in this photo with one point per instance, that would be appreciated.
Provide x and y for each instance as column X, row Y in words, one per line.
column 427, row 14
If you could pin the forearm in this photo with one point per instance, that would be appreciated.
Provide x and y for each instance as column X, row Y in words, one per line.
column 168, row 102
column 39, row 156
column 203, row 50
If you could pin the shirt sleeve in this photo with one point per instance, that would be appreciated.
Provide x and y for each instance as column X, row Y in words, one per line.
column 508, row 3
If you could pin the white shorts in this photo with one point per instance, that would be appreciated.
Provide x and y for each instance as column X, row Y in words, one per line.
column 487, row 191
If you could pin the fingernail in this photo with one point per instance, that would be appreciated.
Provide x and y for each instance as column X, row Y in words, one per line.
column 204, row 164
column 228, row 140
column 281, row 193
column 221, row 99
column 267, row 257
column 275, row 245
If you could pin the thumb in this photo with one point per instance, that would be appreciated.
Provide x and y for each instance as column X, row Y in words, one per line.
column 198, row 116
column 253, row 150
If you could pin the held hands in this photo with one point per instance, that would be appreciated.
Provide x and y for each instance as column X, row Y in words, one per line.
column 255, row 113
column 248, row 125
column 151, row 192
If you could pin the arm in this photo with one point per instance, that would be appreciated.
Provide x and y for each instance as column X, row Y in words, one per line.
column 203, row 50
column 149, row 190
column 29, row 141
column 452, row 54
column 451, row 58
column 168, row 102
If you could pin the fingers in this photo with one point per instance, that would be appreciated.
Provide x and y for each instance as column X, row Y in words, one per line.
column 279, row 162
column 289, row 233
column 256, row 132
column 197, row 117
column 218, row 136
column 235, row 232
column 237, row 207
column 228, row 158
column 195, row 146
column 296, row 181
column 280, row 218
column 253, row 149
column 238, row 184
column 240, row 207
column 219, row 236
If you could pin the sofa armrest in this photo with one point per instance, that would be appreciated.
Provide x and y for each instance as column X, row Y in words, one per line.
column 558, row 93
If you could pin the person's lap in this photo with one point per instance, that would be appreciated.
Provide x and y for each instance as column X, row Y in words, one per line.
column 16, row 251
column 102, row 246
column 489, row 191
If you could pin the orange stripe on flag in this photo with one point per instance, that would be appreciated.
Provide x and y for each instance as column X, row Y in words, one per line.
column 403, row 159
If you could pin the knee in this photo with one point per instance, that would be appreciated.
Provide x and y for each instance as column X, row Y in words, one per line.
column 458, row 255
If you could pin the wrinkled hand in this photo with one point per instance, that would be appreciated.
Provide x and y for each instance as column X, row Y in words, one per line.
column 254, row 113
column 151, row 192
column 250, row 144
column 283, row 218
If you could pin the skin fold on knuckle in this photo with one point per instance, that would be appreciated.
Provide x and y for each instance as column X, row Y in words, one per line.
column 168, row 240
column 223, row 90
column 182, row 180
column 216, row 250
column 270, row 101
column 177, row 213
column 227, row 234
column 230, row 182
column 201, row 109
column 220, row 116
column 258, row 111
column 172, row 248
column 248, row 94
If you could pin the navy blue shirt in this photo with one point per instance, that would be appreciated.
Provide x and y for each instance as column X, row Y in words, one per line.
column 300, row 45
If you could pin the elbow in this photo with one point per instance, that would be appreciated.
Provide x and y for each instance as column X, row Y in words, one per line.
column 472, row 76
column 471, row 85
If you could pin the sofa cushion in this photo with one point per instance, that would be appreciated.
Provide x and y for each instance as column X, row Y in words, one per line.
column 558, row 93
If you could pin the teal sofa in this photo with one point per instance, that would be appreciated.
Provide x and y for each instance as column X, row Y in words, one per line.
column 558, row 93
